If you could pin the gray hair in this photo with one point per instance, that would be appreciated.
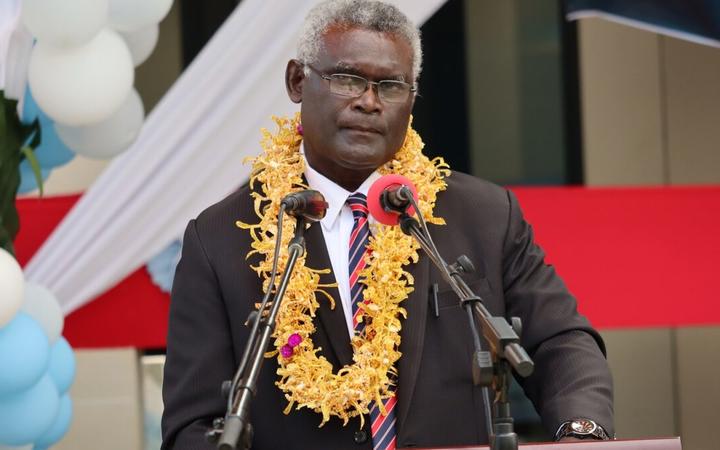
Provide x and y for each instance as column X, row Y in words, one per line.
column 368, row 14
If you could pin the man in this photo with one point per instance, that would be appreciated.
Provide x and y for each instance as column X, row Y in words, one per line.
column 354, row 78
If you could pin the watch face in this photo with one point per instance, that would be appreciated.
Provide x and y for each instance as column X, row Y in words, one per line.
column 583, row 426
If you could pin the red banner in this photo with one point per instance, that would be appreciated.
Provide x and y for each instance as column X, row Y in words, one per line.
column 634, row 257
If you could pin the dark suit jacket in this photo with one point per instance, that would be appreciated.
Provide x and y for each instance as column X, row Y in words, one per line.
column 215, row 289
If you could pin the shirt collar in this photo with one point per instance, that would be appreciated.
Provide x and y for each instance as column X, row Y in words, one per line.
column 334, row 194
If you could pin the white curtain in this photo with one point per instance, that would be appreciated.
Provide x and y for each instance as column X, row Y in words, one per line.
column 188, row 155
column 9, row 18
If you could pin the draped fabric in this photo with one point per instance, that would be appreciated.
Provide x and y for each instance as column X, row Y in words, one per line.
column 9, row 18
column 693, row 20
column 188, row 155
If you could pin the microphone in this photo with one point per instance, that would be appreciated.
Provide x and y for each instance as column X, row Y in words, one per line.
column 308, row 204
column 389, row 197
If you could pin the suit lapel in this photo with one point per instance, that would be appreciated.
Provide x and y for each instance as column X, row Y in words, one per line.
column 332, row 320
column 412, row 336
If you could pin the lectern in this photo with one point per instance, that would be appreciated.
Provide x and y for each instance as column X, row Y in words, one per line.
column 630, row 444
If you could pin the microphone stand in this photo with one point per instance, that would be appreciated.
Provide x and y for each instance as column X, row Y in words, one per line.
column 491, row 368
column 235, row 428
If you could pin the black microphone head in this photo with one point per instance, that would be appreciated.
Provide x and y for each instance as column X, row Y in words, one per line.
column 309, row 204
column 378, row 202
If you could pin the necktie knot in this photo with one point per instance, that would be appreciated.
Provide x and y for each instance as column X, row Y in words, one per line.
column 358, row 204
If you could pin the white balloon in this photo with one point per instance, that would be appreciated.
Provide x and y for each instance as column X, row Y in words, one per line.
column 24, row 447
column 41, row 305
column 131, row 15
column 65, row 23
column 12, row 285
column 141, row 42
column 82, row 85
column 109, row 137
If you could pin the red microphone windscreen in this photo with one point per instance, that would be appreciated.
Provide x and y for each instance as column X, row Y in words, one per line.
column 375, row 193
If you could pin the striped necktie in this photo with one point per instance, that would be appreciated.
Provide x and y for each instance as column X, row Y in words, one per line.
column 383, row 427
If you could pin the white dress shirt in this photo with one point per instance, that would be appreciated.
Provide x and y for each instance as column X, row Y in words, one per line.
column 337, row 227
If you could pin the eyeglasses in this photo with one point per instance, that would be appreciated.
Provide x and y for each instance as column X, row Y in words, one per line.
column 348, row 85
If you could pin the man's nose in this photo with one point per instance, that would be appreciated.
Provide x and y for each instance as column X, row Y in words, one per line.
column 369, row 101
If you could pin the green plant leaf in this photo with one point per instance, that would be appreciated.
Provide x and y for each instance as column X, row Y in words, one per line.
column 34, row 165
column 13, row 134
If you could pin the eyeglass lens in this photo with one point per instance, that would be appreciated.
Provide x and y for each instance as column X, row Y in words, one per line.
column 354, row 86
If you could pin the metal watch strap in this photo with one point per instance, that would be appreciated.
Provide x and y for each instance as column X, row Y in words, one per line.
column 574, row 428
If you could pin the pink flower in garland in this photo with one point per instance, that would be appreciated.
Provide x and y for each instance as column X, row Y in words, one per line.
column 294, row 340
column 288, row 349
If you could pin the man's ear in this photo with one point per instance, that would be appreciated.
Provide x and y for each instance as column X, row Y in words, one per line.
column 294, row 78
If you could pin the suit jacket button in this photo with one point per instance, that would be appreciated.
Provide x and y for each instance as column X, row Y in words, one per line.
column 360, row 437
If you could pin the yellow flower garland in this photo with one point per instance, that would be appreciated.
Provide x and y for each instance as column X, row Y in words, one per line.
column 306, row 378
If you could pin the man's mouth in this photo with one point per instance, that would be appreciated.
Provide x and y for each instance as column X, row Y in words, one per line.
column 362, row 128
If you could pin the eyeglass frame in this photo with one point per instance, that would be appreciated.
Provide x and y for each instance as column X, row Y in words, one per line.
column 412, row 88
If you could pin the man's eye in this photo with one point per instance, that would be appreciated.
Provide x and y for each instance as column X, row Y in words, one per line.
column 346, row 80
column 391, row 86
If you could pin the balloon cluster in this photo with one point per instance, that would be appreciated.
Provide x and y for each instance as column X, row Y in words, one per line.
column 81, row 71
column 38, row 365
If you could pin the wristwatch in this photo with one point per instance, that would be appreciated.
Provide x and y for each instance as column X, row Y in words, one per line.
column 581, row 429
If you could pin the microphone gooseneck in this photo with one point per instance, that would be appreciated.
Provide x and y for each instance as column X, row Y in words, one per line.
column 234, row 430
column 390, row 203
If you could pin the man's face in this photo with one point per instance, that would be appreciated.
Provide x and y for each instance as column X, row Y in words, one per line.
column 347, row 138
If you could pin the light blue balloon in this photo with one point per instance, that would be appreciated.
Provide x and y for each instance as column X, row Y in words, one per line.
column 161, row 267
column 62, row 365
column 27, row 415
column 31, row 110
column 24, row 354
column 28, row 183
column 59, row 427
column 52, row 152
